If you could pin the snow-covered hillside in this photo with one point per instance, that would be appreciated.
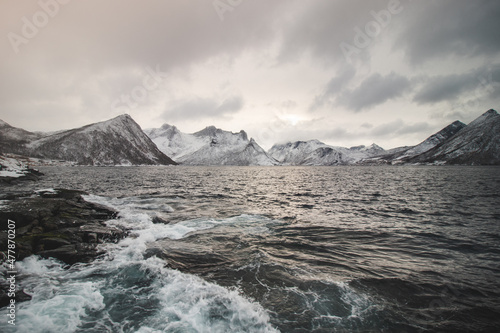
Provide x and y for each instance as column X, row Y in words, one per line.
column 477, row 143
column 314, row 152
column 210, row 146
column 13, row 139
column 433, row 141
column 118, row 141
column 404, row 154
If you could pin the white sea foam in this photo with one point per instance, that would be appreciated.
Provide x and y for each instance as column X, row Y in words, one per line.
column 125, row 292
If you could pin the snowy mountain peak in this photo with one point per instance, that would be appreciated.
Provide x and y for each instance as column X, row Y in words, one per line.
column 168, row 127
column 476, row 143
column 485, row 117
column 456, row 123
column 208, row 131
column 166, row 130
column 397, row 156
column 210, row 146
column 491, row 112
column 123, row 118
column 375, row 146
column 118, row 141
column 244, row 135
column 315, row 152
column 372, row 149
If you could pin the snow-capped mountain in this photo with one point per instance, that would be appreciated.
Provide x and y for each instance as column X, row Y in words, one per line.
column 210, row 146
column 434, row 140
column 13, row 139
column 476, row 143
column 404, row 154
column 121, row 141
column 118, row 141
column 314, row 152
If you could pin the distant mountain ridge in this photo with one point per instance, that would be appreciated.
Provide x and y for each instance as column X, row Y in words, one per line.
column 118, row 141
column 314, row 152
column 457, row 143
column 210, row 146
column 406, row 154
column 121, row 141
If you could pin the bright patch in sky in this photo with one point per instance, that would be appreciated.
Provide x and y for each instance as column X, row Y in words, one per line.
column 292, row 119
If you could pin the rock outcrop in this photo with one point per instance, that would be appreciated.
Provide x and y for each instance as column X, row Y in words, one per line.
column 58, row 224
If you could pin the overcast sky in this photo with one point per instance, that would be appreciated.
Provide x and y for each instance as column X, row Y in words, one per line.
column 344, row 72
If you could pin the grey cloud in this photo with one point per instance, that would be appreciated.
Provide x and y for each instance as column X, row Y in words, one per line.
column 398, row 128
column 203, row 108
column 368, row 133
column 421, row 127
column 375, row 90
column 231, row 104
column 450, row 27
column 94, row 51
column 444, row 88
column 322, row 26
column 116, row 33
column 389, row 128
column 333, row 88
column 422, row 30
column 482, row 81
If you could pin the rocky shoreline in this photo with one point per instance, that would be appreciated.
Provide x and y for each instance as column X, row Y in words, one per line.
column 29, row 175
column 55, row 223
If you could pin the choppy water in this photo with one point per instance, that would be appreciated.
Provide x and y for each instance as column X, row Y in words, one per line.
column 290, row 249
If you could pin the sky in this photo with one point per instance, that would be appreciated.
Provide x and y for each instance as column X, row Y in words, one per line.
column 344, row 72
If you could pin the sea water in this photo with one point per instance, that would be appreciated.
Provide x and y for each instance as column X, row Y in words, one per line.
column 268, row 249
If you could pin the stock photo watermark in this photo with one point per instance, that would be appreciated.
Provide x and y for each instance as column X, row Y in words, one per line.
column 11, row 274
column 365, row 37
column 31, row 26
column 150, row 82
column 223, row 6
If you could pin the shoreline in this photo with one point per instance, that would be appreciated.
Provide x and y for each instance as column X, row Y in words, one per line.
column 54, row 223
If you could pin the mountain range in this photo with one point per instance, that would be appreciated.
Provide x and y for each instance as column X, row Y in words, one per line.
column 406, row 154
column 314, row 152
column 121, row 141
column 210, row 146
column 476, row 143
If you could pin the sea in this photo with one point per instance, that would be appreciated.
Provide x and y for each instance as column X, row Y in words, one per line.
column 276, row 249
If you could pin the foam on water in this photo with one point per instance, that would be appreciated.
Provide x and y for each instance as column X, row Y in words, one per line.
column 57, row 302
column 123, row 292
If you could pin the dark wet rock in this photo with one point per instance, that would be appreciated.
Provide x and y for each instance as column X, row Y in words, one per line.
column 159, row 220
column 51, row 243
column 58, row 224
